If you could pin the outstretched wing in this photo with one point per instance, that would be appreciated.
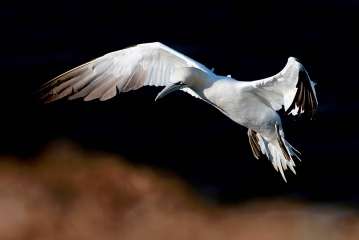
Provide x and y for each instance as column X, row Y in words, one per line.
column 291, row 88
column 149, row 64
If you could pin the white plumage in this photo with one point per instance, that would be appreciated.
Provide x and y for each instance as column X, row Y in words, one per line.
column 251, row 104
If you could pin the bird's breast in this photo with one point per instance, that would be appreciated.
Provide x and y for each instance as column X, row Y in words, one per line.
column 236, row 100
column 224, row 94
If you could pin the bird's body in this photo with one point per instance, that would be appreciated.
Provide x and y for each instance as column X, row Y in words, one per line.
column 250, row 104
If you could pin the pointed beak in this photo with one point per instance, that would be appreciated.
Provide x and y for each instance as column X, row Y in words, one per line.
column 168, row 89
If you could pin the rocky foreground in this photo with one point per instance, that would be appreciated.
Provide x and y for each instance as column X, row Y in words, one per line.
column 66, row 193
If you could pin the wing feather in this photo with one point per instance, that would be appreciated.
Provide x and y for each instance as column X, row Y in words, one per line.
column 149, row 64
column 292, row 89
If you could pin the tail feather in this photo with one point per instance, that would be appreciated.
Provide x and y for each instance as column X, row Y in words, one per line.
column 279, row 152
column 293, row 151
column 279, row 160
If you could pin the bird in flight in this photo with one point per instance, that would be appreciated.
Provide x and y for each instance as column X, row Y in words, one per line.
column 252, row 104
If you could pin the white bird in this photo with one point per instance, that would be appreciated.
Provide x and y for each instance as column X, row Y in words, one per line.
column 251, row 104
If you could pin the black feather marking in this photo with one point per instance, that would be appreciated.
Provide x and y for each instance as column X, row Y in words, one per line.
column 304, row 98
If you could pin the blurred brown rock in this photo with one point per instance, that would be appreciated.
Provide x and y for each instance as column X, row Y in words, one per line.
column 67, row 193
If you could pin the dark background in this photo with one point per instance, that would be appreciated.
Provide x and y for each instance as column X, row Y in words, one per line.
column 249, row 40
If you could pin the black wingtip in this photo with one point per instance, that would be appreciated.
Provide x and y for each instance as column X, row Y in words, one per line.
column 305, row 100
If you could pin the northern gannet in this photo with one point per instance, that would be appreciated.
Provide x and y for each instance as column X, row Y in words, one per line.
column 251, row 104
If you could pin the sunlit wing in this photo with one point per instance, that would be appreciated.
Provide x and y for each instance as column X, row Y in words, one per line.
column 292, row 89
column 150, row 64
